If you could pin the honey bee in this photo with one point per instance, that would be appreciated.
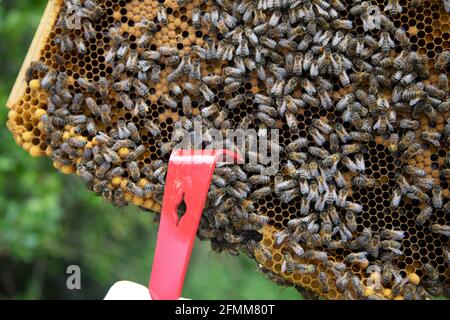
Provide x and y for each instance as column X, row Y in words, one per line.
column 393, row 7
column 441, row 229
column 351, row 221
column 160, row 173
column 123, row 130
column 258, row 219
column 399, row 285
column 339, row 179
column 288, row 264
column 353, row 206
column 231, row 238
column 342, row 24
column 175, row 88
column 322, row 126
column 416, row 193
column 437, row 200
column 213, row 80
column 442, row 60
column 358, row 258
column 431, row 137
column 284, row 185
column 332, row 160
column 391, row 245
column 115, row 35
column 124, row 85
column 409, row 292
column 424, row 215
column 323, row 282
column 126, row 101
column 407, row 140
column 154, row 77
column 207, row 93
column 132, row 63
column 409, row 124
column 342, row 283
column 65, row 43
column 391, row 234
column 49, row 79
column 266, row 119
column 341, row 134
column 237, row 100
column 168, row 51
column 120, row 144
column 140, row 88
column 79, row 119
column 350, row 148
column 305, row 268
column 357, row 286
column 393, row 143
column 144, row 40
column 362, row 181
column 258, row 247
column 151, row 55
column 110, row 155
column 349, row 164
column 280, row 236
column 137, row 153
column 359, row 161
column 134, row 189
column 318, row 138
column 444, row 106
column 103, row 87
column 396, row 198
column 271, row 111
column 77, row 142
column 123, row 50
column 442, row 82
column 424, row 182
column 445, row 173
column 35, row 67
column 318, row 152
column 169, row 101
column 321, row 256
column 297, row 66
column 102, row 169
column 115, row 74
column 105, row 114
column 289, row 195
column 84, row 173
column 262, row 192
column 162, row 14
column 413, row 150
column 430, row 271
column 100, row 186
column 297, row 248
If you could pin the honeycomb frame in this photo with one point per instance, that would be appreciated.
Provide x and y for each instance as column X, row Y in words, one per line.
column 428, row 28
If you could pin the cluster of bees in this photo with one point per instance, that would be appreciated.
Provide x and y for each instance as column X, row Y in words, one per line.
column 302, row 52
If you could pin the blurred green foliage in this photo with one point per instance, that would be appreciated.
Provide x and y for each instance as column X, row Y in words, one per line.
column 49, row 221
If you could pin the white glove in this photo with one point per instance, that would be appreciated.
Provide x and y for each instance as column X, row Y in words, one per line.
column 127, row 290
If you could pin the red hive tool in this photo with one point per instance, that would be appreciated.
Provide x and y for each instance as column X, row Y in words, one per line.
column 188, row 177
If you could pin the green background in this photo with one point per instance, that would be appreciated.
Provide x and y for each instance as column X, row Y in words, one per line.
column 49, row 221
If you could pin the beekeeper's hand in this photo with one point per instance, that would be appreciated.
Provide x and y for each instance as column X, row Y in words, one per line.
column 127, row 290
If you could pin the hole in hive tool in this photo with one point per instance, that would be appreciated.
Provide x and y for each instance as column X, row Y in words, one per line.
column 181, row 210
column 188, row 179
